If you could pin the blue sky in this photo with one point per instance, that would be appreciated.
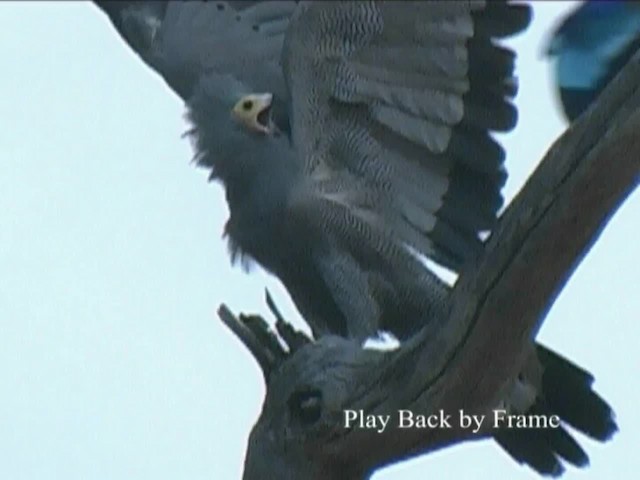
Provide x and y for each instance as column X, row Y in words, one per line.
column 112, row 361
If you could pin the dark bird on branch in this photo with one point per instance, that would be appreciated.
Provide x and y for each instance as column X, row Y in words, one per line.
column 354, row 139
column 590, row 46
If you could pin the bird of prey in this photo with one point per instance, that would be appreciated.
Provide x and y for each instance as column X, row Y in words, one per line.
column 590, row 46
column 428, row 183
column 352, row 137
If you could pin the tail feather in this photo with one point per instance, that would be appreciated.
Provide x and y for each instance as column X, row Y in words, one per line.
column 531, row 448
column 566, row 391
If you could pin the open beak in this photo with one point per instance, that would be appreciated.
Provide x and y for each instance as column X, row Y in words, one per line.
column 263, row 117
column 262, row 120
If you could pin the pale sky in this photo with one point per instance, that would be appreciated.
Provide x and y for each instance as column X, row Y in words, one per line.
column 113, row 364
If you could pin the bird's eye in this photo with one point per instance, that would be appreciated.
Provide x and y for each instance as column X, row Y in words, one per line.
column 247, row 105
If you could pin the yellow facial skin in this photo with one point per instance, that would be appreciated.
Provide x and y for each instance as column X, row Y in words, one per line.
column 253, row 112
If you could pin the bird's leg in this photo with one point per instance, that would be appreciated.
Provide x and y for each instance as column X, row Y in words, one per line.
column 351, row 290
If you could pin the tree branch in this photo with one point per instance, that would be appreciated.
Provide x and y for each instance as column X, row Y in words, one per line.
column 464, row 361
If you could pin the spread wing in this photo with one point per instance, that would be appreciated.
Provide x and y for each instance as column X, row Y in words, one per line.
column 184, row 40
column 392, row 109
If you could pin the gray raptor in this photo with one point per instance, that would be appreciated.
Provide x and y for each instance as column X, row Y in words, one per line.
column 352, row 138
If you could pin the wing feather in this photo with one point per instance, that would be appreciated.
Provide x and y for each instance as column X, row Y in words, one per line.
column 182, row 41
column 401, row 99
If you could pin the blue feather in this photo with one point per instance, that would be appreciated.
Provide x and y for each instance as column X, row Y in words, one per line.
column 590, row 46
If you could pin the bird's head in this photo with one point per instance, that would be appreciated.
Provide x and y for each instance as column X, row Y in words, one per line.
column 228, row 109
column 233, row 130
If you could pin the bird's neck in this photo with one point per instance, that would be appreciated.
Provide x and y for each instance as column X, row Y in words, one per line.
column 258, row 180
column 258, row 177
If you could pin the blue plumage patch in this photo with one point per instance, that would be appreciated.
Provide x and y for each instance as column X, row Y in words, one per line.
column 590, row 47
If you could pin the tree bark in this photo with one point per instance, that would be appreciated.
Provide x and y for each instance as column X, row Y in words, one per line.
column 464, row 361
